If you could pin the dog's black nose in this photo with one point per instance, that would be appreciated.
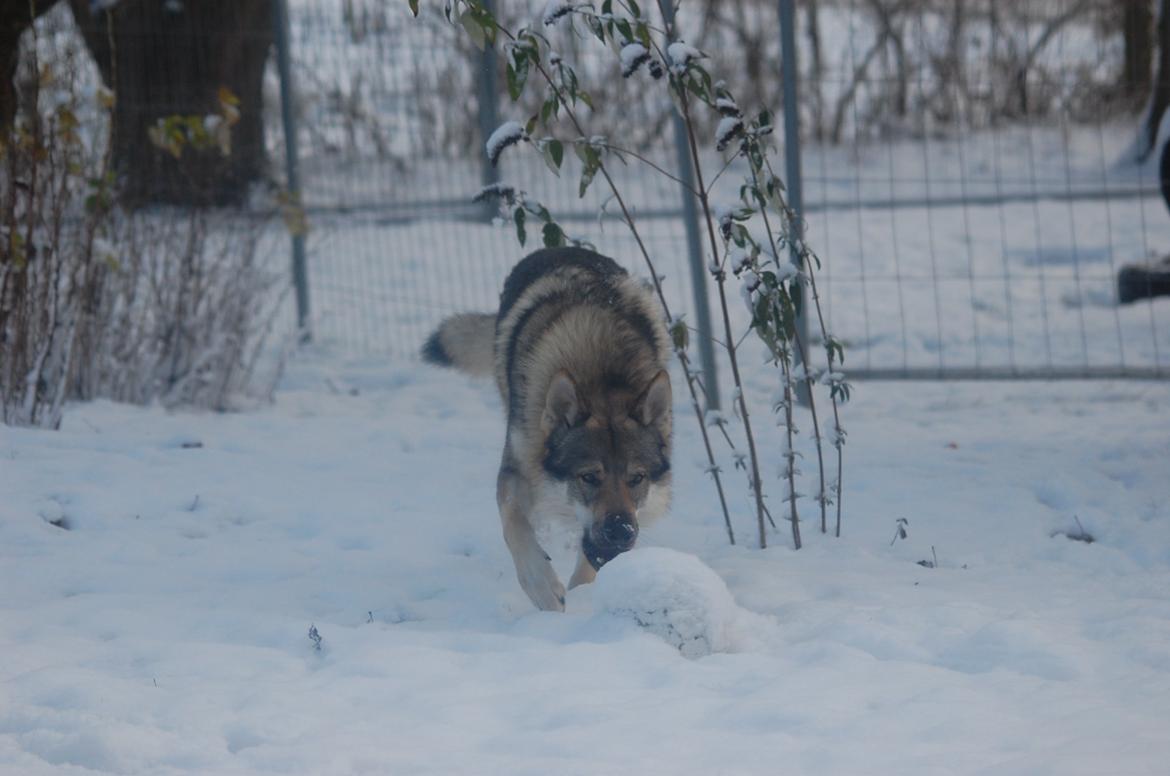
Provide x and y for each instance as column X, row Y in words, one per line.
column 620, row 531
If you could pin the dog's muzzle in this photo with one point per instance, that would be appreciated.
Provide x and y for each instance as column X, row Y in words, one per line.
column 618, row 533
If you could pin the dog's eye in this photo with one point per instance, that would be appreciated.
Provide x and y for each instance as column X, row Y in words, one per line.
column 591, row 478
column 636, row 480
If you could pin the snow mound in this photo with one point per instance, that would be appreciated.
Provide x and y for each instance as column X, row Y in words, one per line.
column 677, row 597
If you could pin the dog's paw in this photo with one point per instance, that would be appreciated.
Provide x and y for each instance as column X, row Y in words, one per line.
column 541, row 583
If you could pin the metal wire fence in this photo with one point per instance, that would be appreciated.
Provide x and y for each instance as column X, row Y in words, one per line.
column 955, row 243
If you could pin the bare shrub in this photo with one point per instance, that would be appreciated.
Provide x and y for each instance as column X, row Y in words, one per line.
column 188, row 302
column 171, row 305
column 55, row 202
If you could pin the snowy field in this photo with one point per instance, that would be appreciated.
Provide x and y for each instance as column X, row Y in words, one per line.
column 159, row 574
column 320, row 586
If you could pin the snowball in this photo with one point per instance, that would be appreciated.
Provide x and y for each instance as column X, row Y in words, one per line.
column 674, row 596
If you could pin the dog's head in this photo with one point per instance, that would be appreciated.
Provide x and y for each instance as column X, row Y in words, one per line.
column 611, row 446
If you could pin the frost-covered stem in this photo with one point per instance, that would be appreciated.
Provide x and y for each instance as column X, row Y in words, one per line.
column 785, row 359
column 729, row 346
column 800, row 350
column 838, row 440
column 705, row 203
column 707, row 444
column 629, row 219
column 812, row 408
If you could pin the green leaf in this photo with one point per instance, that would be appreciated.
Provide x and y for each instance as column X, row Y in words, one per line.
column 518, row 217
column 549, row 109
column 680, row 335
column 413, row 7
column 517, row 74
column 596, row 27
column 474, row 30
column 634, row 9
column 553, row 236
column 552, row 152
column 592, row 163
column 642, row 32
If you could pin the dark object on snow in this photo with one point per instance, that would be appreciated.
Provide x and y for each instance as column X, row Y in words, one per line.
column 1146, row 281
column 1142, row 281
column 1164, row 173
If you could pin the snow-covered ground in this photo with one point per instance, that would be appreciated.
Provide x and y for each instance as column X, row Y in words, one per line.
column 159, row 574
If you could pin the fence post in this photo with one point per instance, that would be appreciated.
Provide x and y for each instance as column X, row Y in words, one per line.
column 790, row 77
column 291, row 162
column 489, row 117
column 694, row 247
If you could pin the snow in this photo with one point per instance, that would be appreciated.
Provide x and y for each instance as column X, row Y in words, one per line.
column 555, row 10
column 727, row 106
column 679, row 599
column 165, row 627
column 633, row 56
column 506, row 134
column 727, row 129
column 681, row 54
column 161, row 571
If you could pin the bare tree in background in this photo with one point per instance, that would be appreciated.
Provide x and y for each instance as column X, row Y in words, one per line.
column 1137, row 22
column 171, row 58
column 1161, row 94
column 16, row 16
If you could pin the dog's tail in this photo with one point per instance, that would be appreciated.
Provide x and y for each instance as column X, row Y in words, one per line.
column 465, row 342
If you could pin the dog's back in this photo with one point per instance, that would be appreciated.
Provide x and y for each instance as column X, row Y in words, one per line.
column 561, row 308
column 574, row 310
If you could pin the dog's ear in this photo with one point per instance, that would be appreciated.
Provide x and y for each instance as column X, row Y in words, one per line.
column 653, row 406
column 561, row 403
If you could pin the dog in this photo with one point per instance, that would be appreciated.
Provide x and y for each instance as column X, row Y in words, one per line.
column 579, row 350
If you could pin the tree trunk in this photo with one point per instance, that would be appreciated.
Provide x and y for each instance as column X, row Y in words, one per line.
column 16, row 16
column 1137, row 23
column 171, row 57
column 816, row 70
column 1161, row 96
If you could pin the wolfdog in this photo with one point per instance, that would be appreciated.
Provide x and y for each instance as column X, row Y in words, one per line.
column 579, row 350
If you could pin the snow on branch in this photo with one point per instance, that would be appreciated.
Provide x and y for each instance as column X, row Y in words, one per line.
column 554, row 11
column 682, row 54
column 508, row 133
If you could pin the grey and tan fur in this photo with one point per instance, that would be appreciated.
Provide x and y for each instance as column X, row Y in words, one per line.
column 579, row 352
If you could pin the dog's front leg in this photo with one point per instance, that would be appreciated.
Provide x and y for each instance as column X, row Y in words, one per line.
column 584, row 574
column 533, row 566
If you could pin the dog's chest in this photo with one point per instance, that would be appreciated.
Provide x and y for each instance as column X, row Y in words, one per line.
column 558, row 523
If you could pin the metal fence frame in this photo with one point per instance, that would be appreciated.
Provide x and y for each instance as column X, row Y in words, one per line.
column 488, row 120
